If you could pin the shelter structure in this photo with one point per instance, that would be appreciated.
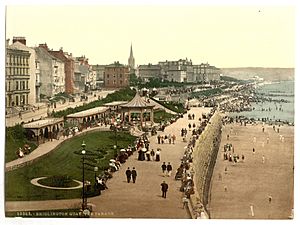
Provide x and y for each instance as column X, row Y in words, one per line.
column 137, row 110
column 88, row 117
column 116, row 105
column 46, row 129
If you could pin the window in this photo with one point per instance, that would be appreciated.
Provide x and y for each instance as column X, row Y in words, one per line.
column 107, row 76
column 17, row 85
column 121, row 76
column 17, row 100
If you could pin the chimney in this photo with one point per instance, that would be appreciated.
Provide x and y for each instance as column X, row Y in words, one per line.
column 19, row 39
column 7, row 42
column 44, row 46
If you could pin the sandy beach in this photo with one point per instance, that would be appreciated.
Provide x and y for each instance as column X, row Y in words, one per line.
column 261, row 185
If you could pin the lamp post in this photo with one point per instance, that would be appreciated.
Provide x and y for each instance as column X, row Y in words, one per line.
column 116, row 141
column 95, row 170
column 83, row 191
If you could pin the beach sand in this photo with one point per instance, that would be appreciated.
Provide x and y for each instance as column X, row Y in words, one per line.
column 261, row 187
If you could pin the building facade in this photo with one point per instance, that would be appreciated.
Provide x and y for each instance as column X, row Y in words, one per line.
column 69, row 68
column 116, row 75
column 20, row 43
column 175, row 71
column 17, row 77
column 52, row 72
column 148, row 71
column 81, row 73
column 99, row 69
column 206, row 73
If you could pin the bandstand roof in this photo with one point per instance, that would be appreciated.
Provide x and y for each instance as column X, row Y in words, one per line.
column 43, row 123
column 89, row 112
column 138, row 102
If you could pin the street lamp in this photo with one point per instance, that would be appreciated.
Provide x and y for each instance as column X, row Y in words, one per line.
column 116, row 141
column 95, row 170
column 83, row 191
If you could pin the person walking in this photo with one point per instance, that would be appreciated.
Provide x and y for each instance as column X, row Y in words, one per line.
column 148, row 155
column 152, row 153
column 173, row 138
column 164, row 168
column 164, row 189
column 169, row 169
column 157, row 155
column 133, row 174
column 128, row 175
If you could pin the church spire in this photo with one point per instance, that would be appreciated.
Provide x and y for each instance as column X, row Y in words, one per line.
column 131, row 59
column 131, row 52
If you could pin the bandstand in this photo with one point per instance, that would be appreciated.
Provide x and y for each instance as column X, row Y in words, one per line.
column 142, row 109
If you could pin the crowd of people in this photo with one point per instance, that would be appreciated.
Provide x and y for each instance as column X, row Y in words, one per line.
column 22, row 151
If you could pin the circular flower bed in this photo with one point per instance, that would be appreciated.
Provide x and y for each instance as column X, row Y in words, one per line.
column 62, row 181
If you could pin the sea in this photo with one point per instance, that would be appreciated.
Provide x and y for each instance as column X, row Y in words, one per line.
column 283, row 111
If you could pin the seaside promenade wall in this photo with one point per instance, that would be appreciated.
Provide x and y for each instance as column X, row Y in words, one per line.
column 204, row 159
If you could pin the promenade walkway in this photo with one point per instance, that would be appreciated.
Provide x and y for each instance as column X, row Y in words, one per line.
column 142, row 199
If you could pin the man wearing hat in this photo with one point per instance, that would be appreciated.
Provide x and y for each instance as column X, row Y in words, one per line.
column 128, row 175
column 133, row 174
column 164, row 189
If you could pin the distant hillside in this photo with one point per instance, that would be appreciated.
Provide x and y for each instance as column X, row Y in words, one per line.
column 269, row 74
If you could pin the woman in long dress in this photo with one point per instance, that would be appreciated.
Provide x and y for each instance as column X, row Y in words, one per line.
column 157, row 155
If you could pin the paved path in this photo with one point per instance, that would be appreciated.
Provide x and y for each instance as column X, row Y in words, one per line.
column 267, row 172
column 142, row 199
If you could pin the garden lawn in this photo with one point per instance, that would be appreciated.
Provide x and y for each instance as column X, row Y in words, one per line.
column 65, row 160
column 162, row 116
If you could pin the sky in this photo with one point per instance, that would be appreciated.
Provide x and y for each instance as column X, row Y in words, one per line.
column 222, row 35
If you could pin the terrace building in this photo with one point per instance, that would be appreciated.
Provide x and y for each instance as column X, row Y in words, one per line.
column 99, row 69
column 116, row 75
column 52, row 72
column 17, row 78
column 20, row 43
column 69, row 69
column 175, row 71
column 148, row 71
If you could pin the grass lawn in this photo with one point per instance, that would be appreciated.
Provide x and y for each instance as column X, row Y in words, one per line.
column 65, row 160
column 162, row 116
column 14, row 139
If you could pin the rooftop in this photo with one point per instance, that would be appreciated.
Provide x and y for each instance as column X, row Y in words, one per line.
column 138, row 102
column 43, row 123
column 88, row 112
